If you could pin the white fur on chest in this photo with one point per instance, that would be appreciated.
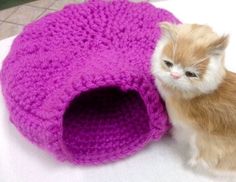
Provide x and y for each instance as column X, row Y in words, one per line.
column 181, row 132
column 184, row 135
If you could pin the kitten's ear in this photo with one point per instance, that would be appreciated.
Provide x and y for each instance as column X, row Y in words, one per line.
column 218, row 46
column 168, row 30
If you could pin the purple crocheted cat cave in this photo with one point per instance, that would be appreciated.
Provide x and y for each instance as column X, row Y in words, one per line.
column 77, row 82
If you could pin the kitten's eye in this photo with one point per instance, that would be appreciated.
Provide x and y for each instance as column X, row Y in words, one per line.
column 190, row 74
column 168, row 63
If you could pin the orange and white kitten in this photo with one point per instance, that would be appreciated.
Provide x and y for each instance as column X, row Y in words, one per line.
column 199, row 92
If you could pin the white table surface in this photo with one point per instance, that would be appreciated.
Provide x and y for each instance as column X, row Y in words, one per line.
column 21, row 161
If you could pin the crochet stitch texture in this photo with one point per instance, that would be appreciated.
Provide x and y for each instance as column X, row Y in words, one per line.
column 77, row 82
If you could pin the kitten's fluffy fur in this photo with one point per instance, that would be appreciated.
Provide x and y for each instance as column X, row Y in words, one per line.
column 201, row 106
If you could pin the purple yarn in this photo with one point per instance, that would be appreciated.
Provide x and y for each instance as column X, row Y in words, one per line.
column 77, row 82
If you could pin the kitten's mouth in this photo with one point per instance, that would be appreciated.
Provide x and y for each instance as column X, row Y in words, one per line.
column 168, row 85
column 171, row 86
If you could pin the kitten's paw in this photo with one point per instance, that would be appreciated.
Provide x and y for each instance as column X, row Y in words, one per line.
column 198, row 162
column 193, row 162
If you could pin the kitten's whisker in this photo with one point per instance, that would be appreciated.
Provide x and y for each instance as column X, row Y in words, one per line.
column 201, row 69
column 174, row 50
column 174, row 47
column 200, row 61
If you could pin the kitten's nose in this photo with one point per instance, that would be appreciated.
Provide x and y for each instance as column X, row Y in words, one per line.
column 175, row 75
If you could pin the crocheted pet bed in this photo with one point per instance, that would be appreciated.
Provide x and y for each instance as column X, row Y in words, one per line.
column 77, row 81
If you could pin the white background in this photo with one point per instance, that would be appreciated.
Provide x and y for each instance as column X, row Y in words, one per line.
column 21, row 161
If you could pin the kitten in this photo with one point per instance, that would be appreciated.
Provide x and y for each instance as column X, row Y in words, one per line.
column 199, row 92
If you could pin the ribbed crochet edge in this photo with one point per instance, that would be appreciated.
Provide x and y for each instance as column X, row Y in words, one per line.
column 64, row 98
